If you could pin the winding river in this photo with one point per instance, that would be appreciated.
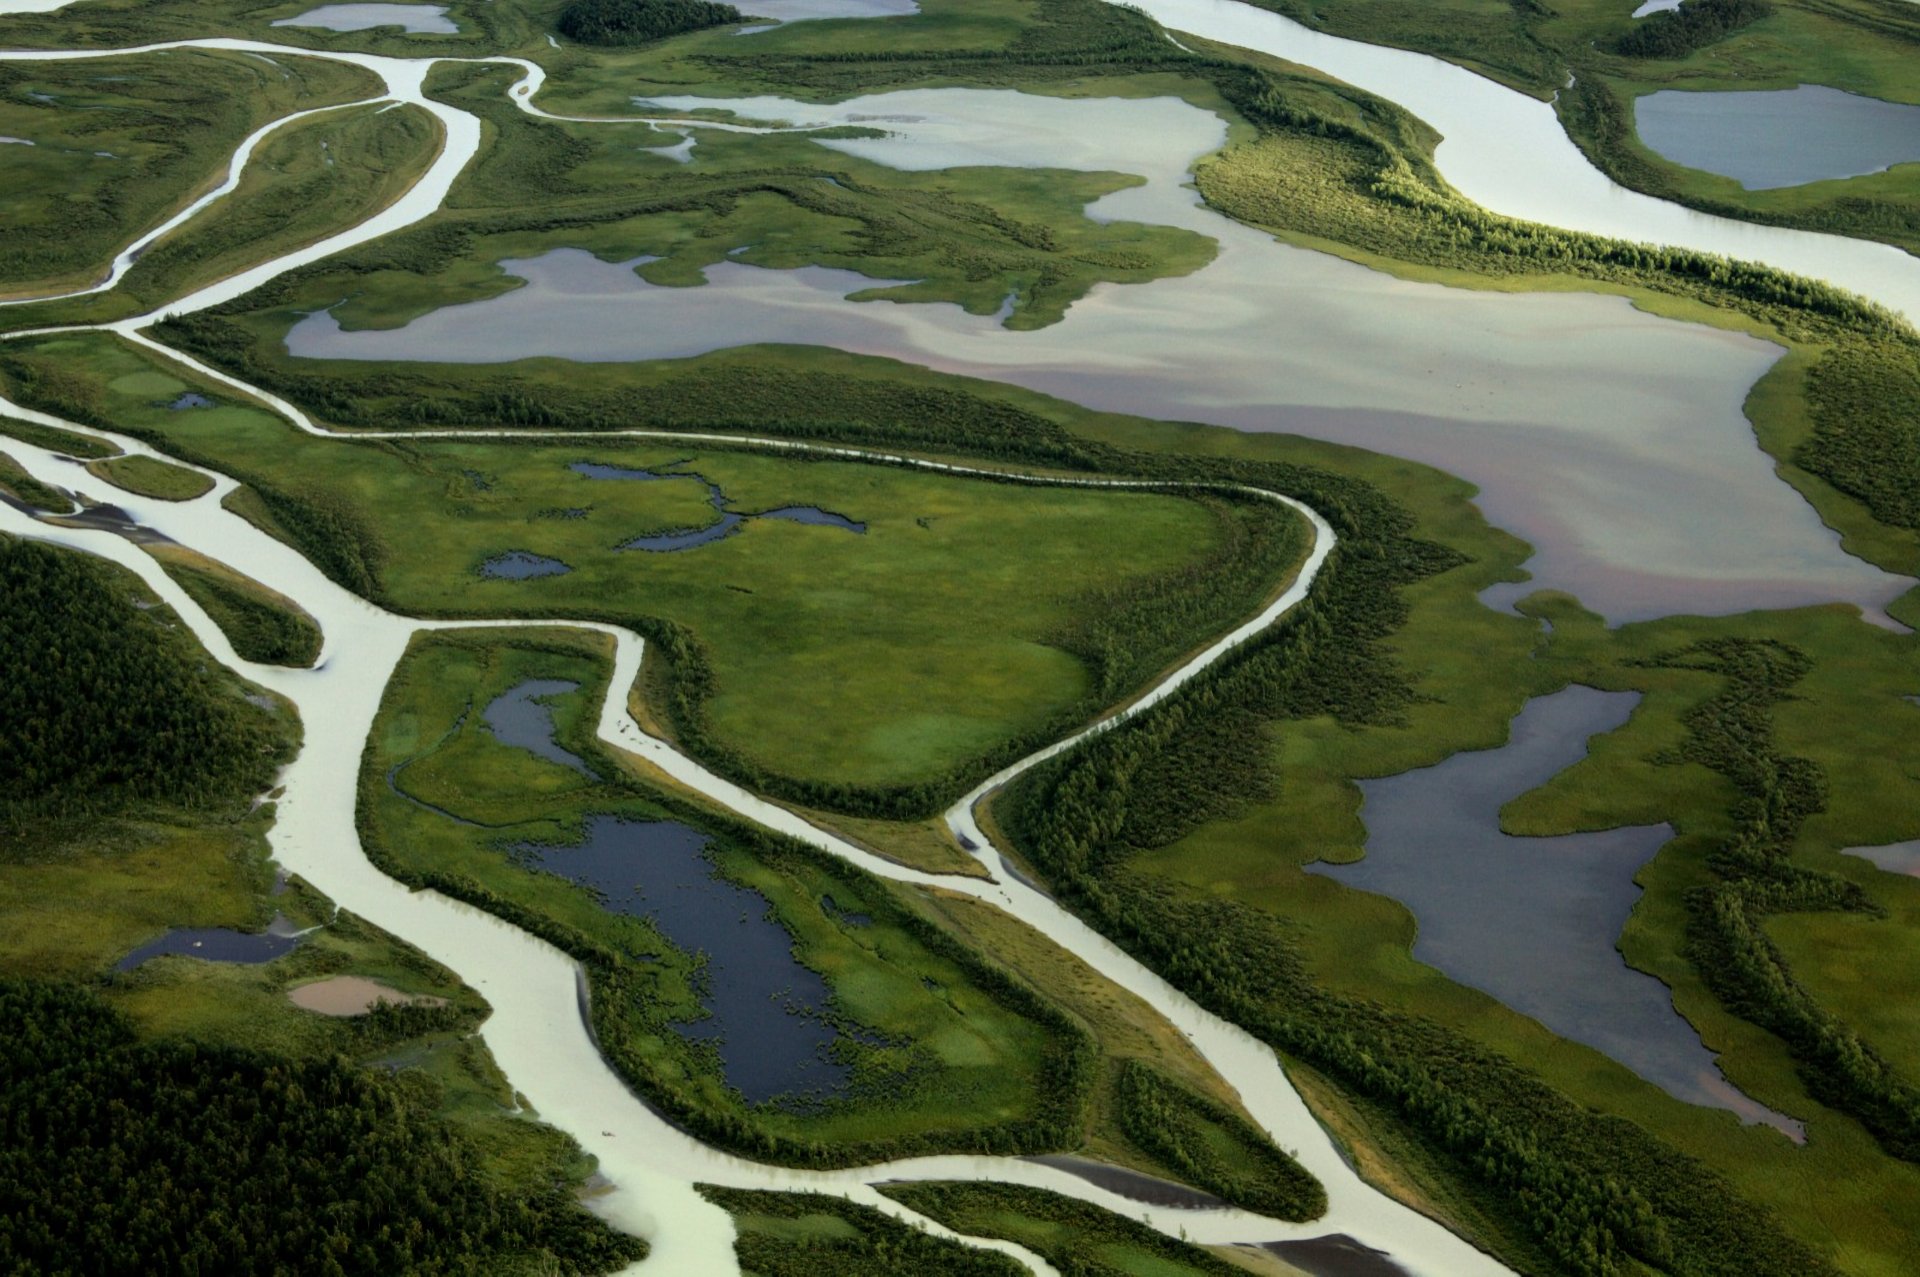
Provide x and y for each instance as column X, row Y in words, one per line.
column 1502, row 149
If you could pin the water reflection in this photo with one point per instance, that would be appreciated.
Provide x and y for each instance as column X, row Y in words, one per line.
column 764, row 1003
column 1534, row 921
column 1779, row 137
column 522, row 717
column 416, row 19
column 522, row 565
column 219, row 944
column 1643, row 494
column 1895, row 858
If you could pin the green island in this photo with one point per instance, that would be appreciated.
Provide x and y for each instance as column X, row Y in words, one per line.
column 862, row 585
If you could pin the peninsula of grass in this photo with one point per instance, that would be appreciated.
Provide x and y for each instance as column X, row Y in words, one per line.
column 820, row 1235
column 151, row 477
column 306, row 181
column 945, row 1051
column 120, row 144
column 15, row 482
column 66, row 442
column 1074, row 1236
column 835, row 663
column 263, row 625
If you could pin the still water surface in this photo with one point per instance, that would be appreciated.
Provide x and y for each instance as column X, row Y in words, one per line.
column 1779, row 137
column 1534, row 921
column 1643, row 494
column 763, row 1002
column 417, row 19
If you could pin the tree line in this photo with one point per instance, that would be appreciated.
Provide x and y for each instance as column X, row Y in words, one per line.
column 1732, row 733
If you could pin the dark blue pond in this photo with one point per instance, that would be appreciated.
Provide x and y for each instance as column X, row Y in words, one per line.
column 763, row 1002
column 522, row 717
column 519, row 565
column 1534, row 921
column 730, row 521
column 218, row 944
column 190, row 400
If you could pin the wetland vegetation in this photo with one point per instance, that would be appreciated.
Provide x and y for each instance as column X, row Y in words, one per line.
column 1771, row 743
column 388, row 1137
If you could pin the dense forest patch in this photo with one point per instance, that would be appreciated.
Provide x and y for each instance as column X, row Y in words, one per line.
column 104, row 704
column 617, row 22
column 118, row 1155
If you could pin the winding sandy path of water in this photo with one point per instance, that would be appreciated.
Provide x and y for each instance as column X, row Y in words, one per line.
column 537, row 1031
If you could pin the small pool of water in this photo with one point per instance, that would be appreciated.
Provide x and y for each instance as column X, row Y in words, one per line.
column 1779, row 137
column 1895, row 857
column 1534, row 921
column 730, row 520
column 415, row 19
column 763, row 1002
column 521, row 565
column 522, row 717
column 219, row 944
column 189, row 400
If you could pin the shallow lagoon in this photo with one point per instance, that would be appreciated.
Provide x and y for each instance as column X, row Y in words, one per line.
column 1534, row 921
column 1781, row 137
column 1645, row 495
column 415, row 19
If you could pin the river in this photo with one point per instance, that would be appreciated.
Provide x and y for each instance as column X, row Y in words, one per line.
column 537, row 1032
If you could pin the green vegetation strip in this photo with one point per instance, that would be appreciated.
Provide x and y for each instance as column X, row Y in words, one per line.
column 818, row 1235
column 1078, row 1239
column 23, row 487
column 1213, row 1148
column 262, row 625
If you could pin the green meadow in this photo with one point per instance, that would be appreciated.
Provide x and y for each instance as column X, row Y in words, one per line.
column 121, row 144
column 305, row 181
column 839, row 657
column 945, row 1053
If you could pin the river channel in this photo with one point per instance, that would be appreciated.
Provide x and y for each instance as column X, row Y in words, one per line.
column 1497, row 151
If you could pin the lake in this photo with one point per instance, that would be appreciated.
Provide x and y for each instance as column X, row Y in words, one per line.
column 1780, row 137
column 1534, row 921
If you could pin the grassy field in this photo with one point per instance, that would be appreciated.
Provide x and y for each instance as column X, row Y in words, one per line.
column 303, row 183
column 121, row 144
column 151, row 478
column 819, row 1235
column 835, row 656
column 942, row 1055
